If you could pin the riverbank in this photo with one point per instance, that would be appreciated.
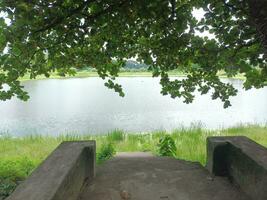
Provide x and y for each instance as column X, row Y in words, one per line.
column 86, row 74
column 19, row 156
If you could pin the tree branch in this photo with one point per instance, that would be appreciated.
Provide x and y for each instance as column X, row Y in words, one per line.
column 96, row 15
column 59, row 20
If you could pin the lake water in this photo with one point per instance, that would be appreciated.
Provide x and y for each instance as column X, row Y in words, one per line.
column 81, row 106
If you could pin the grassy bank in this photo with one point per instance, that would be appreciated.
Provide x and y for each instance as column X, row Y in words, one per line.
column 141, row 73
column 86, row 74
column 19, row 156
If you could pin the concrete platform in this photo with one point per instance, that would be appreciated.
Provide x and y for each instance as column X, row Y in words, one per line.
column 141, row 176
column 236, row 170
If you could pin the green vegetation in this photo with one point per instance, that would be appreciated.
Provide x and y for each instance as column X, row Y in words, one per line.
column 167, row 146
column 6, row 187
column 123, row 73
column 162, row 35
column 86, row 74
column 106, row 152
column 116, row 136
column 20, row 156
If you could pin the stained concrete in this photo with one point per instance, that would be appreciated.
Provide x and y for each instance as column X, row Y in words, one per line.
column 141, row 176
column 242, row 160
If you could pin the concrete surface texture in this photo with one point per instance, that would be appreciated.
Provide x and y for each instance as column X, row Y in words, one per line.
column 242, row 160
column 141, row 176
column 61, row 175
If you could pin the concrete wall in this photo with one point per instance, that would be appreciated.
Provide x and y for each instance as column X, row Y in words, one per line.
column 242, row 160
column 62, row 175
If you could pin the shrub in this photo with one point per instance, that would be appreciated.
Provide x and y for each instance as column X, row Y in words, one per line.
column 106, row 152
column 6, row 187
column 166, row 146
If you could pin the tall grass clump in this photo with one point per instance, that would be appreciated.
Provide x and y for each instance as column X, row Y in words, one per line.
column 106, row 152
column 191, row 143
column 116, row 136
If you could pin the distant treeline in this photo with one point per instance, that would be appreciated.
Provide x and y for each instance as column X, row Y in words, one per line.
column 130, row 65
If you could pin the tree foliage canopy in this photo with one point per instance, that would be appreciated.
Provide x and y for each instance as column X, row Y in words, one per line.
column 48, row 35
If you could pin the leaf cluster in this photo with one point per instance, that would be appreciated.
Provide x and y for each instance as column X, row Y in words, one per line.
column 47, row 36
column 166, row 146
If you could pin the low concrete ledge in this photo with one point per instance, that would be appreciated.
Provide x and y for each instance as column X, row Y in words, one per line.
column 242, row 160
column 61, row 175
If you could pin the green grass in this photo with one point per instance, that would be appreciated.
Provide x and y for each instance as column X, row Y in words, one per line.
column 20, row 156
column 86, row 74
column 141, row 73
column 116, row 136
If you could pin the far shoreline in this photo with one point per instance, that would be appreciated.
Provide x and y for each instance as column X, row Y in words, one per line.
column 128, row 74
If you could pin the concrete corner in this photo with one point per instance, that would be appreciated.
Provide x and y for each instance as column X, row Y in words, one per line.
column 62, row 175
column 242, row 160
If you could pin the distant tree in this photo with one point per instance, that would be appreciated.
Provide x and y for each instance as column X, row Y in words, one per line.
column 131, row 64
column 48, row 35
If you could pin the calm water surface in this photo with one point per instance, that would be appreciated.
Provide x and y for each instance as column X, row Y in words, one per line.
column 86, row 106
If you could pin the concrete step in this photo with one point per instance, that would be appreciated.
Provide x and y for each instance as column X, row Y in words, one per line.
column 142, row 176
